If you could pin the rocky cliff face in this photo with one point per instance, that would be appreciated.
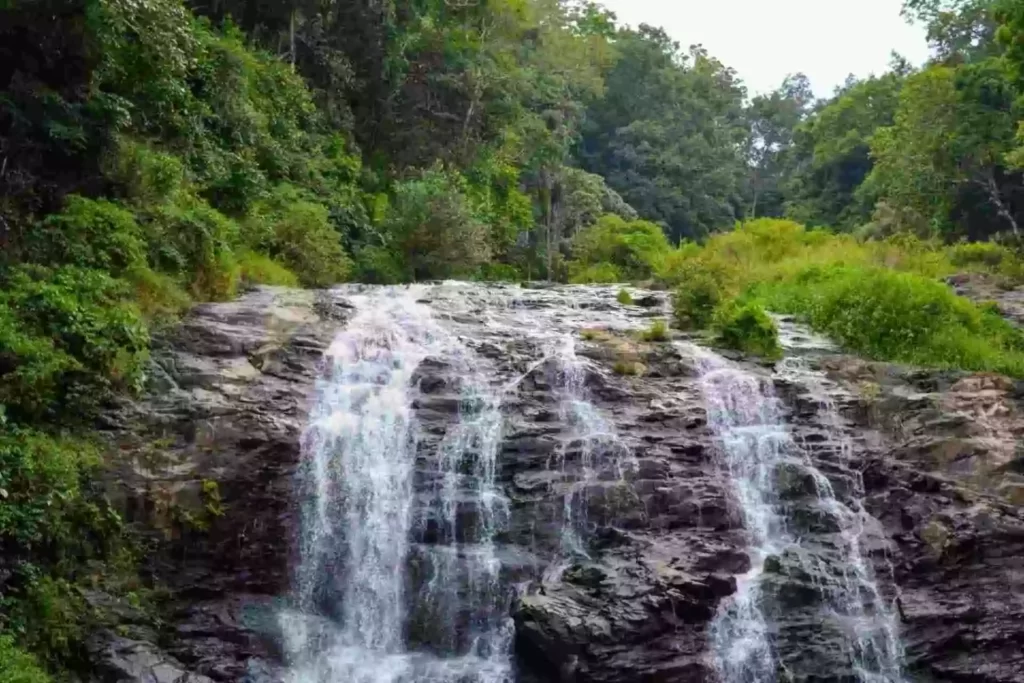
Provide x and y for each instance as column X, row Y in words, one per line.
column 211, row 455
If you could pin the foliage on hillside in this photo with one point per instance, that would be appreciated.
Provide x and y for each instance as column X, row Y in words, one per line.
column 882, row 298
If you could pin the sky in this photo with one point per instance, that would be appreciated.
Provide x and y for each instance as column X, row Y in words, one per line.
column 764, row 40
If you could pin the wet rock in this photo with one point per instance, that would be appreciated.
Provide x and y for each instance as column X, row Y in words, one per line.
column 933, row 457
column 121, row 660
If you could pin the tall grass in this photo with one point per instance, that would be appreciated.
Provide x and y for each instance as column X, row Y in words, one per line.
column 883, row 299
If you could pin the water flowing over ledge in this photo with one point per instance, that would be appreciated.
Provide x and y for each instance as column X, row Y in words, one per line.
column 774, row 479
column 553, row 518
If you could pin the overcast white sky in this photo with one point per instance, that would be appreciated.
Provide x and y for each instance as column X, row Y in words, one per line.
column 764, row 40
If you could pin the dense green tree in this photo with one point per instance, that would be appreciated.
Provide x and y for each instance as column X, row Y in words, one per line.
column 773, row 119
column 668, row 134
column 958, row 30
column 831, row 158
column 941, row 165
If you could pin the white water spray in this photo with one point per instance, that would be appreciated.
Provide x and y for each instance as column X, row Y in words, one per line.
column 353, row 594
column 756, row 447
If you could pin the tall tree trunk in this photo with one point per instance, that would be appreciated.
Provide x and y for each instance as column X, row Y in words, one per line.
column 291, row 37
column 752, row 214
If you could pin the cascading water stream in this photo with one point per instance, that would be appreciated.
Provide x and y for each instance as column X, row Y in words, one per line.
column 851, row 595
column 361, row 462
column 596, row 445
column 757, row 451
column 753, row 440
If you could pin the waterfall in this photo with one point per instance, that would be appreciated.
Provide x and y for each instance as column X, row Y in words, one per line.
column 753, row 440
column 762, row 461
column 593, row 441
column 851, row 593
column 355, row 591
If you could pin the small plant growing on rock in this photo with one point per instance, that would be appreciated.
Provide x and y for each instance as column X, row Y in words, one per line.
column 695, row 300
column 593, row 334
column 628, row 368
column 624, row 298
column 749, row 329
column 657, row 332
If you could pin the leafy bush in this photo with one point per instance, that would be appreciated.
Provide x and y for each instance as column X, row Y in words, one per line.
column 657, row 332
column 196, row 242
column 696, row 299
column 670, row 269
column 146, row 175
column 498, row 272
column 263, row 270
column 624, row 297
column 434, row 227
column 18, row 666
column 605, row 273
column 159, row 297
column 898, row 316
column 987, row 257
column 69, row 336
column 39, row 480
column 747, row 328
column 379, row 265
column 298, row 233
column 634, row 247
column 48, row 615
column 91, row 234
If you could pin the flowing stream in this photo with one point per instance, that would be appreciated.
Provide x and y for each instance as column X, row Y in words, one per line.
column 765, row 466
column 361, row 467
column 400, row 576
column 593, row 443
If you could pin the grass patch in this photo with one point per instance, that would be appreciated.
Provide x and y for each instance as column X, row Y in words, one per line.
column 595, row 334
column 897, row 316
column 657, row 332
column 627, row 368
column 263, row 270
column 748, row 328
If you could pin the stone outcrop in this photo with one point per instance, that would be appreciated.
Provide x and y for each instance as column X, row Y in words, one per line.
column 211, row 453
column 207, row 473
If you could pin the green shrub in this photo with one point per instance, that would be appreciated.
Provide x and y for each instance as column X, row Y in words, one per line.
column 435, row 228
column 309, row 246
column 159, row 297
column 988, row 257
column 498, row 272
column 70, row 336
column 298, row 233
column 599, row 273
column 747, row 328
column 48, row 615
column 196, row 242
column 624, row 297
column 634, row 247
column 39, row 478
column 18, row 666
column 263, row 270
column 696, row 299
column 670, row 269
column 379, row 266
column 657, row 332
column 89, row 233
column 147, row 176
column 898, row 316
